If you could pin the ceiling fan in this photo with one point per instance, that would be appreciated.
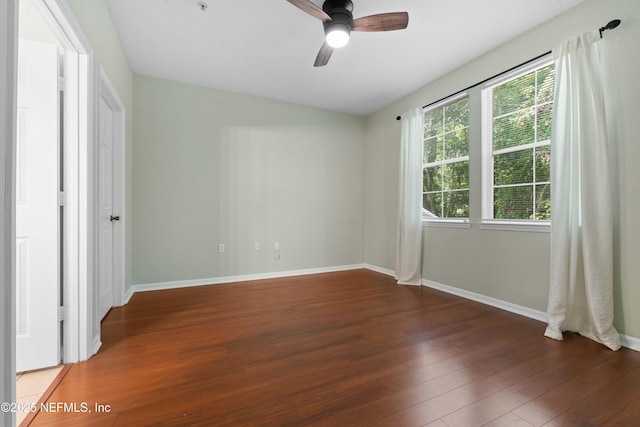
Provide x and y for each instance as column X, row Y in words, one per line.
column 337, row 18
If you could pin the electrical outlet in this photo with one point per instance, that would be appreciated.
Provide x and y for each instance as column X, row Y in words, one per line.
column 221, row 248
column 256, row 246
column 276, row 246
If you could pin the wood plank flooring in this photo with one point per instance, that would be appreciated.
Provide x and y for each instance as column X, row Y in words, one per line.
column 339, row 349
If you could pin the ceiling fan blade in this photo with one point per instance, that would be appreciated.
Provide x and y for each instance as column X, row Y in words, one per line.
column 382, row 22
column 311, row 9
column 323, row 55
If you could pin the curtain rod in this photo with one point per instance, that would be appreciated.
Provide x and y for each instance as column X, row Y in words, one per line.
column 610, row 26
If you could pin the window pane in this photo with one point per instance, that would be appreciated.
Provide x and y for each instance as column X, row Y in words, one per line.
column 543, row 164
column 513, row 168
column 432, row 179
column 432, row 202
column 514, row 95
column 514, row 129
column 522, row 114
column 544, row 122
column 543, row 202
column 455, row 176
column 456, row 143
column 545, row 80
column 457, row 115
column 433, row 149
column 433, row 124
column 513, row 202
column 449, row 125
column 456, row 204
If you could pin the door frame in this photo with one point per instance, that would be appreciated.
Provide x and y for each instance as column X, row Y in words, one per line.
column 8, row 104
column 110, row 95
column 78, row 252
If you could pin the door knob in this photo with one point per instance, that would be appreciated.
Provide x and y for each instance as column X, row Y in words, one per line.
column 115, row 218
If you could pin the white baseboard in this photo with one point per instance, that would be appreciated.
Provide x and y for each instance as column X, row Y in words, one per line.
column 128, row 295
column 380, row 270
column 627, row 341
column 240, row 278
column 630, row 342
column 493, row 302
column 96, row 345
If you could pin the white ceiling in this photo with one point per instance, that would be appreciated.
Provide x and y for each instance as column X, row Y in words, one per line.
column 267, row 48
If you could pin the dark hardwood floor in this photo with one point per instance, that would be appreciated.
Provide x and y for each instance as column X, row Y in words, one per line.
column 339, row 349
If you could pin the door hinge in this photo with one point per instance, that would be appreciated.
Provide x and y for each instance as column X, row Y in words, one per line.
column 62, row 198
column 62, row 311
column 61, row 84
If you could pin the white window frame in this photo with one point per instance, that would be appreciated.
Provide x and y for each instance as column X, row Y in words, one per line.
column 427, row 218
column 487, row 221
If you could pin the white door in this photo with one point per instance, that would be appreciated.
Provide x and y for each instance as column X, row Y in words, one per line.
column 37, row 208
column 107, row 218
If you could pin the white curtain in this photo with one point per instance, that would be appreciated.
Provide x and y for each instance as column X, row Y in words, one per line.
column 581, row 286
column 409, row 239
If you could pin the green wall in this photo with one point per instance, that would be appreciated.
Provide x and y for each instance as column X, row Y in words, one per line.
column 216, row 167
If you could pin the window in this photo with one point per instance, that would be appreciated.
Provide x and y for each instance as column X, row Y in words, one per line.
column 510, row 140
column 445, row 165
column 517, row 113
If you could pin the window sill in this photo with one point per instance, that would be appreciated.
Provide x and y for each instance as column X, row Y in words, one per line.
column 529, row 226
column 446, row 223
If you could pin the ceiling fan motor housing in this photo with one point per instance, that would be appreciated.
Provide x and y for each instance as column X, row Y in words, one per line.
column 330, row 6
column 340, row 13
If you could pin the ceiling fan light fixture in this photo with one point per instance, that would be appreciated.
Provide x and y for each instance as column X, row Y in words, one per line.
column 337, row 35
column 338, row 22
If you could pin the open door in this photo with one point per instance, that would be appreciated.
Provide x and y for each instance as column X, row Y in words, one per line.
column 37, row 208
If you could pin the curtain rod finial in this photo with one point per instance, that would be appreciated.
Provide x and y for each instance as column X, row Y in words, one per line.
column 398, row 117
column 610, row 26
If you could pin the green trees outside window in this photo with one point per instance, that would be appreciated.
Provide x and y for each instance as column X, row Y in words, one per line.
column 515, row 124
column 521, row 121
